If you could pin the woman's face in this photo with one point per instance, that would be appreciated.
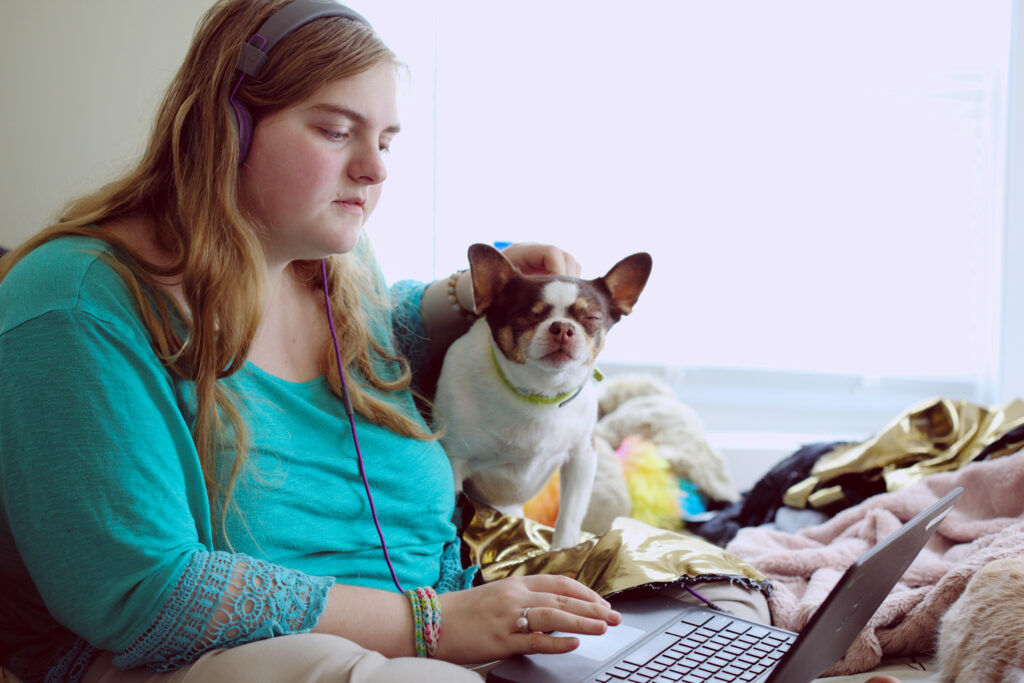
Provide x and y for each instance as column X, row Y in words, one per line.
column 314, row 171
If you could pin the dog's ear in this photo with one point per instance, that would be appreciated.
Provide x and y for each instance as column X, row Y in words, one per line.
column 490, row 271
column 626, row 280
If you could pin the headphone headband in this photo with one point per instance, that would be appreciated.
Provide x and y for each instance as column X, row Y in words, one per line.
column 255, row 50
column 283, row 22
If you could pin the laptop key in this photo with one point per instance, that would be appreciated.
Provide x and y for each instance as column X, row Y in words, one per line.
column 758, row 632
column 696, row 618
column 651, row 649
column 681, row 629
column 718, row 622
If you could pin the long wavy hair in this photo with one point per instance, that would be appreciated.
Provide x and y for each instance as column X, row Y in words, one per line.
column 187, row 181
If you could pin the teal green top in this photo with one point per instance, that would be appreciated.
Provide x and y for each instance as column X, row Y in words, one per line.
column 105, row 534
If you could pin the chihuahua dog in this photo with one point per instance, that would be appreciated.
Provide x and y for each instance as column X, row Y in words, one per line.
column 515, row 398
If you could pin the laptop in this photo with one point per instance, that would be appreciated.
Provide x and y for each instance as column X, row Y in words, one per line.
column 662, row 639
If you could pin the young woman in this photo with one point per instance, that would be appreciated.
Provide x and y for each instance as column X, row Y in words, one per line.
column 180, row 482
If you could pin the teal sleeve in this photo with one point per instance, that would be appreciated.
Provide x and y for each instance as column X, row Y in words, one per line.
column 101, row 486
column 106, row 521
column 407, row 321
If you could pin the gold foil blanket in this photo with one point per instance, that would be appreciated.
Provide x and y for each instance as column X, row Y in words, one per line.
column 631, row 554
column 937, row 435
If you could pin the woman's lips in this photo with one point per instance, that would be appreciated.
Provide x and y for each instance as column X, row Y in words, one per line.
column 353, row 206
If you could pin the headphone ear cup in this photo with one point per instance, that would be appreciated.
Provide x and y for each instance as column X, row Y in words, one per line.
column 243, row 123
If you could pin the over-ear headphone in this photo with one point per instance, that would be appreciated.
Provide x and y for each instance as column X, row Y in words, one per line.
column 256, row 49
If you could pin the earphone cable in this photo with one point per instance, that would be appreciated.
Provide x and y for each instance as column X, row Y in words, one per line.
column 352, row 424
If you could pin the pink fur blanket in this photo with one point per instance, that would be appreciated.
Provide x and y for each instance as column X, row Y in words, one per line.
column 985, row 525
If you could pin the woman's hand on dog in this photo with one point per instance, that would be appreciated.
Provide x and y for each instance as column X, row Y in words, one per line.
column 532, row 258
column 480, row 624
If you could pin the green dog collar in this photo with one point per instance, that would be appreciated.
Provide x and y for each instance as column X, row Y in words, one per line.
column 538, row 399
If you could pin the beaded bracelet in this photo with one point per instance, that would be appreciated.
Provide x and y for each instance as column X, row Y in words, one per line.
column 431, row 618
column 453, row 298
column 426, row 617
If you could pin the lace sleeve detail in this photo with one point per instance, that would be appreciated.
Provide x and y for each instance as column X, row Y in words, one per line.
column 223, row 600
column 407, row 322
column 453, row 576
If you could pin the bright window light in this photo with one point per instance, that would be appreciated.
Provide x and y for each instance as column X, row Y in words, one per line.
column 820, row 183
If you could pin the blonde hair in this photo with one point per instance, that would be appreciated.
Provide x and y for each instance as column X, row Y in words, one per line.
column 186, row 182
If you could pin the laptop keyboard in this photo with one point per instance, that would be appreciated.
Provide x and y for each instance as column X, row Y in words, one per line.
column 702, row 648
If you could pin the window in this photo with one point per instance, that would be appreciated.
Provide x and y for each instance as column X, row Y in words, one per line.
column 821, row 185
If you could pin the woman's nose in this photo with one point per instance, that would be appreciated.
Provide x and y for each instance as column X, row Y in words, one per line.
column 368, row 165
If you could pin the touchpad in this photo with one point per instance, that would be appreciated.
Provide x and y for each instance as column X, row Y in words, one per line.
column 612, row 640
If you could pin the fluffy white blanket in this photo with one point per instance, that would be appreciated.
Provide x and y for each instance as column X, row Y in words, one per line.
column 985, row 525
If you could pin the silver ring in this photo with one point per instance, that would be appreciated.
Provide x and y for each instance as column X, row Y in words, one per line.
column 523, row 623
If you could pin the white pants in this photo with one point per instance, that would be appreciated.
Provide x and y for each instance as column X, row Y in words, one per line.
column 305, row 658
column 318, row 658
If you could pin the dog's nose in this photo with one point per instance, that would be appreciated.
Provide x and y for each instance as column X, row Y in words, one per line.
column 561, row 331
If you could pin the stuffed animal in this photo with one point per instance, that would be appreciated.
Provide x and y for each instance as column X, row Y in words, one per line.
column 652, row 486
column 980, row 634
column 642, row 405
column 654, row 461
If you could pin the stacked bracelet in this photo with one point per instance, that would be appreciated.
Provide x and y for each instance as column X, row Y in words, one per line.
column 426, row 617
column 453, row 298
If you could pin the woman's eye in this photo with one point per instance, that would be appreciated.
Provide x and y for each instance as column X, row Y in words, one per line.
column 336, row 135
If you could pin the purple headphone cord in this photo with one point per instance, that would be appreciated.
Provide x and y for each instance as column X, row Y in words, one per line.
column 700, row 597
column 352, row 424
column 359, row 455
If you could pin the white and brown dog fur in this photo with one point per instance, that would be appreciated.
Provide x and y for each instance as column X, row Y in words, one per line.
column 515, row 397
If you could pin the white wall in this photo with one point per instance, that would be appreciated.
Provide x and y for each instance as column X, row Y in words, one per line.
column 80, row 83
